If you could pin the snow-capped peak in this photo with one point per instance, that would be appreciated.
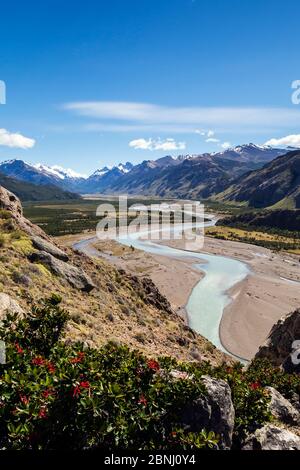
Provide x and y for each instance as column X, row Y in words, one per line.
column 102, row 171
column 123, row 167
column 58, row 171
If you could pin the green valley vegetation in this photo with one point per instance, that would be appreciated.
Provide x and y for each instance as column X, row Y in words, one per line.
column 76, row 216
column 274, row 229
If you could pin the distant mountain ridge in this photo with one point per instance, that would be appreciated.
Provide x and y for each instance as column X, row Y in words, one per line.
column 185, row 176
column 277, row 184
column 192, row 176
column 32, row 192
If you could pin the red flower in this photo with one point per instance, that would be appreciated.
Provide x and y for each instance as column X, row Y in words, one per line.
column 255, row 385
column 76, row 391
column 79, row 358
column 19, row 349
column 43, row 412
column 24, row 399
column 153, row 365
column 50, row 368
column 47, row 393
column 38, row 361
column 85, row 384
column 143, row 400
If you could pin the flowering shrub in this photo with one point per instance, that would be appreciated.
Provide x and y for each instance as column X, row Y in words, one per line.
column 56, row 395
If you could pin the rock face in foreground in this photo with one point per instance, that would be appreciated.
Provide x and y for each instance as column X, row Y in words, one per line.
column 282, row 409
column 76, row 277
column 272, row 438
column 9, row 305
column 10, row 202
column 215, row 412
column 280, row 345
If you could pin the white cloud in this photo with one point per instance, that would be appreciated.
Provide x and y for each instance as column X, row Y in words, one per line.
column 289, row 141
column 204, row 117
column 9, row 139
column 157, row 144
column 210, row 134
column 226, row 145
column 212, row 140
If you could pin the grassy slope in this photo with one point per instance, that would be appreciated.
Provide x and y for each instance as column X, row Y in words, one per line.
column 117, row 309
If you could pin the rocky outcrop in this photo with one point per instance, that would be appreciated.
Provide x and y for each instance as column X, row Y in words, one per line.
column 76, row 277
column 148, row 291
column 11, row 203
column 282, row 409
column 272, row 438
column 48, row 247
column 281, row 345
column 214, row 412
column 9, row 305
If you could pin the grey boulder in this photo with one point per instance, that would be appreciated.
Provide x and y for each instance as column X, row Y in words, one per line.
column 271, row 437
column 9, row 305
column 214, row 412
column 282, row 409
column 44, row 245
column 76, row 277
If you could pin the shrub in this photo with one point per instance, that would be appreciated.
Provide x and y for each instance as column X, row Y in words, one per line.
column 59, row 395
column 55, row 395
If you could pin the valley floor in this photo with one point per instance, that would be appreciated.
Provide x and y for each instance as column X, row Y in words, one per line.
column 270, row 291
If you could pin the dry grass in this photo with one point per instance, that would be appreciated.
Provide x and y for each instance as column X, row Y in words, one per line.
column 235, row 234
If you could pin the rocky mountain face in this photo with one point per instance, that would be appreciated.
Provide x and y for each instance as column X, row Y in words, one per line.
column 184, row 176
column 250, row 153
column 190, row 175
column 282, row 346
column 276, row 185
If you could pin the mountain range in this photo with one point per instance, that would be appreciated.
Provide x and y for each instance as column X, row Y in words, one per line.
column 34, row 192
column 192, row 176
column 276, row 185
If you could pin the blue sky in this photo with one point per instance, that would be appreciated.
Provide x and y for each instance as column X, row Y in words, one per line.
column 99, row 82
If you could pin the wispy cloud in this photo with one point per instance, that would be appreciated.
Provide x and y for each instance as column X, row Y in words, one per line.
column 15, row 140
column 226, row 145
column 288, row 141
column 202, row 117
column 212, row 140
column 157, row 144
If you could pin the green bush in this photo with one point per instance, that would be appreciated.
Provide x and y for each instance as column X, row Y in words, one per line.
column 57, row 395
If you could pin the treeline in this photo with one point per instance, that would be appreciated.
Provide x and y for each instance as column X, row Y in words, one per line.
column 283, row 222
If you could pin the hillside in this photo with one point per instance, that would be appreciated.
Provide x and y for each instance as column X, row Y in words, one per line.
column 275, row 185
column 32, row 192
column 104, row 303
column 280, row 219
